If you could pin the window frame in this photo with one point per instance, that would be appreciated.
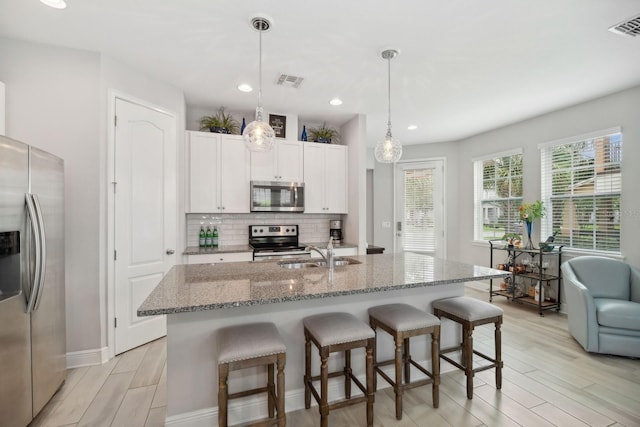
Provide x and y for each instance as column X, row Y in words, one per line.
column 546, row 187
column 478, row 189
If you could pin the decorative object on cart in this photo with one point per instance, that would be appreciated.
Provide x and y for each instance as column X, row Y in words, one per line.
column 547, row 246
column 219, row 123
column 529, row 212
column 324, row 134
column 389, row 150
column 512, row 239
column 258, row 135
column 303, row 137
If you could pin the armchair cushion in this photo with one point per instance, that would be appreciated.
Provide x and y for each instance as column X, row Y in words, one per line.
column 616, row 313
column 605, row 277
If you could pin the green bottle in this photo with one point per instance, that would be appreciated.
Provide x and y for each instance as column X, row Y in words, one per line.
column 214, row 237
column 202, row 237
column 208, row 238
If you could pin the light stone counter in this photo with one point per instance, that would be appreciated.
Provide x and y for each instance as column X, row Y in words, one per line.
column 202, row 298
column 200, row 287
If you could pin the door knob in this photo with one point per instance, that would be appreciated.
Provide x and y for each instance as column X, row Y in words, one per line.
column 170, row 252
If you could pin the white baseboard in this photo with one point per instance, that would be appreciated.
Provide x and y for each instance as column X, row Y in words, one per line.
column 77, row 359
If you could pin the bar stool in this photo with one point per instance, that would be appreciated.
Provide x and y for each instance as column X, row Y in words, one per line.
column 245, row 346
column 403, row 321
column 470, row 312
column 333, row 332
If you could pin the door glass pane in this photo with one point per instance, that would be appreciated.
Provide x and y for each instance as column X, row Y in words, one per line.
column 419, row 221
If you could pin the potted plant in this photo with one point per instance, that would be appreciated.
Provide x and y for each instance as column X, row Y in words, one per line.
column 219, row 123
column 324, row 134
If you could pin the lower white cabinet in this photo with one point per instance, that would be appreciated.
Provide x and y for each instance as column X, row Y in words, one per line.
column 325, row 178
column 219, row 174
column 336, row 252
column 221, row 257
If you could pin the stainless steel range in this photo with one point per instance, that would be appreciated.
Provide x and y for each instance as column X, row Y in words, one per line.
column 271, row 242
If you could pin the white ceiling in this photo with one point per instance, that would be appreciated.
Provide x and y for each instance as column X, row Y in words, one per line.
column 464, row 66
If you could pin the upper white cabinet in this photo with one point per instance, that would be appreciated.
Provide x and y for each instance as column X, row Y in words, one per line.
column 282, row 163
column 219, row 173
column 325, row 178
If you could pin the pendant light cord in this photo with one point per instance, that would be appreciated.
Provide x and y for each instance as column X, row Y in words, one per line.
column 389, row 95
column 260, row 70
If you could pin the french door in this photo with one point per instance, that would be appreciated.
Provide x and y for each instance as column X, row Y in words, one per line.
column 419, row 208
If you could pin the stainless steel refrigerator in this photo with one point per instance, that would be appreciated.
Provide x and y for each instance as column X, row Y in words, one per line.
column 32, row 296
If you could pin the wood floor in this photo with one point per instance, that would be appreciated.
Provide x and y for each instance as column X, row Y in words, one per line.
column 548, row 380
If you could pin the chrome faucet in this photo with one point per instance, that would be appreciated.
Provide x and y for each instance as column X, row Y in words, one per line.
column 329, row 259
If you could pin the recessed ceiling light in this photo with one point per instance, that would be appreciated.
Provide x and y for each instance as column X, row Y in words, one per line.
column 335, row 102
column 412, row 127
column 244, row 87
column 56, row 4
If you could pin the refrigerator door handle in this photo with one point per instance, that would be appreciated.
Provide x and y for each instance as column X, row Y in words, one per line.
column 43, row 250
column 35, row 226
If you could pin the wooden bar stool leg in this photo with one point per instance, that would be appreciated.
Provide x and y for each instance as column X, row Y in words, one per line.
column 307, row 370
column 407, row 361
column 324, row 383
column 282, row 419
column 435, row 365
column 370, row 390
column 375, row 357
column 347, row 374
column 397, row 387
column 498, row 344
column 271, row 404
column 468, row 352
column 223, row 375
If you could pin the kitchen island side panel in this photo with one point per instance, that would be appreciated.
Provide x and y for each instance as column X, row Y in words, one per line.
column 192, row 353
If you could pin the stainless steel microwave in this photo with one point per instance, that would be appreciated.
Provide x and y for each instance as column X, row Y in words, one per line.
column 273, row 196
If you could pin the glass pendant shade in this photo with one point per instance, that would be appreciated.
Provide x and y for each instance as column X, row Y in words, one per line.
column 258, row 135
column 389, row 150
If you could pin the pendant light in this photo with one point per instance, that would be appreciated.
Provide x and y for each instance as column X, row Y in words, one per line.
column 258, row 135
column 389, row 150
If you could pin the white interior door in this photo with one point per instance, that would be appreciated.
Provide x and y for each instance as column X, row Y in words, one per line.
column 420, row 208
column 145, row 216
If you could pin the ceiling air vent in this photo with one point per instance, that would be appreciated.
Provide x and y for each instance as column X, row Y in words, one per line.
column 630, row 27
column 291, row 81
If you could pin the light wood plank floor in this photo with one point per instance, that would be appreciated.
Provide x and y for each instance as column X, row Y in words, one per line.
column 548, row 380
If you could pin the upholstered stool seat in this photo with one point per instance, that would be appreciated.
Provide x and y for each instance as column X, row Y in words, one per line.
column 330, row 333
column 403, row 321
column 245, row 346
column 470, row 312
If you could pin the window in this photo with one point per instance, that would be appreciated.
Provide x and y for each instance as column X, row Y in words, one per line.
column 498, row 194
column 581, row 188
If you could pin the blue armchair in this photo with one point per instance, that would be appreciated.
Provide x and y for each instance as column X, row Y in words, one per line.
column 603, row 304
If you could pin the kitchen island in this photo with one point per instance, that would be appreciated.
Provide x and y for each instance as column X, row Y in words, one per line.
column 201, row 298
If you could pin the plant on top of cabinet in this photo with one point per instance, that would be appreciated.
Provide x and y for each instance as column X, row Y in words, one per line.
column 220, row 123
column 324, row 134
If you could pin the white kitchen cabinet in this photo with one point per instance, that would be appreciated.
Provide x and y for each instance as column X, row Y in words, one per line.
column 218, row 173
column 221, row 257
column 325, row 178
column 336, row 252
column 282, row 163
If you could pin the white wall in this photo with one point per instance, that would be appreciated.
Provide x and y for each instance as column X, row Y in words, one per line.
column 2, row 109
column 619, row 109
column 355, row 227
column 56, row 99
column 52, row 102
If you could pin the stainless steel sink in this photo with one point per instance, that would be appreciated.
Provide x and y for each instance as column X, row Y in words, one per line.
column 297, row 264
column 339, row 262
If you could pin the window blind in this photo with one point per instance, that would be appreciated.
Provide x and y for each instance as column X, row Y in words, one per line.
column 497, row 196
column 582, row 188
column 419, row 221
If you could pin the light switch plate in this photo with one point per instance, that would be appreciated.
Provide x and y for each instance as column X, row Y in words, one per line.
column 386, row 224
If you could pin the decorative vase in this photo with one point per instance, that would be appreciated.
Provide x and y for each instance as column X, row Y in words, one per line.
column 244, row 125
column 303, row 137
column 529, row 241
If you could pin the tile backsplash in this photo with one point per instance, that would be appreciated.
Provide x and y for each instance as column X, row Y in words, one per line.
column 233, row 229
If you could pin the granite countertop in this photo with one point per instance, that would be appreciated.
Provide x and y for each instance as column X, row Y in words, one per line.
column 195, row 250
column 200, row 287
